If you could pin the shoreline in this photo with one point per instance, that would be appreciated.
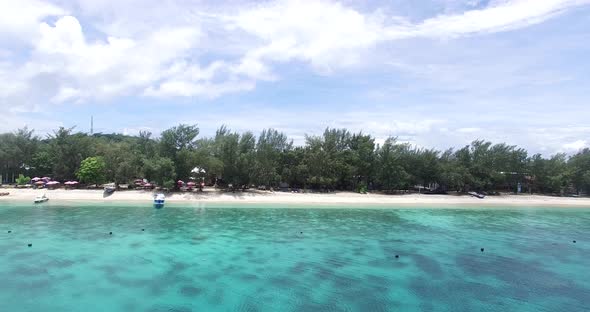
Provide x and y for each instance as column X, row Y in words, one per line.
column 252, row 197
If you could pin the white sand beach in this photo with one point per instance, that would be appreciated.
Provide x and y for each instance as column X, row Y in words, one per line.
column 253, row 197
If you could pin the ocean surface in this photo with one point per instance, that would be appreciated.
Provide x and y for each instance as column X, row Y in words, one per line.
column 213, row 258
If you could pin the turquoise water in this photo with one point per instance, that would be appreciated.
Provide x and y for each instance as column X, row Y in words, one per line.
column 292, row 259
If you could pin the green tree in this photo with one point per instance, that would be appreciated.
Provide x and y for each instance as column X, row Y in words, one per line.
column 178, row 144
column 22, row 180
column 391, row 172
column 159, row 169
column 92, row 170
column 269, row 148
column 580, row 168
column 67, row 150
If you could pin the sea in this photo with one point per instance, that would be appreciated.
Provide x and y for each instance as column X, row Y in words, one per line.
column 237, row 257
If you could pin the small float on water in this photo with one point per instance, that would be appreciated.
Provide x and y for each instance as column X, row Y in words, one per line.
column 159, row 200
column 40, row 199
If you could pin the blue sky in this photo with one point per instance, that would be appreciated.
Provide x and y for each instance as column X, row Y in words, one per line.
column 435, row 73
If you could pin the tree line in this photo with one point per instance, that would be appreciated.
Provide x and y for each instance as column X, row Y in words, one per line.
column 335, row 160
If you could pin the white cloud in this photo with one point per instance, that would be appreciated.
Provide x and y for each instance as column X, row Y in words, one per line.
column 329, row 35
column 468, row 130
column 117, row 66
column 499, row 16
column 155, row 65
column 324, row 33
column 163, row 51
column 575, row 145
column 19, row 19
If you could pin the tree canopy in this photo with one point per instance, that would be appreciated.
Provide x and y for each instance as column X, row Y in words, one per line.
column 92, row 170
column 335, row 160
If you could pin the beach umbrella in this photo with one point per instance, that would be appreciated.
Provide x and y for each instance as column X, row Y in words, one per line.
column 52, row 183
column 180, row 182
column 147, row 185
column 70, row 183
column 39, row 183
column 35, row 179
column 191, row 184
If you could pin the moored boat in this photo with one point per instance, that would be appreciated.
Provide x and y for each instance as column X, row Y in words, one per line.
column 40, row 199
column 109, row 188
column 159, row 200
column 478, row 195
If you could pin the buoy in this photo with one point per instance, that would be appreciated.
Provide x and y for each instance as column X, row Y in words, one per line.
column 143, row 229
column 9, row 231
column 482, row 250
column 300, row 232
column 110, row 233
column 30, row 245
column 574, row 242
column 396, row 256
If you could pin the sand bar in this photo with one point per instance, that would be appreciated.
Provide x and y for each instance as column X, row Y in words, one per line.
column 285, row 198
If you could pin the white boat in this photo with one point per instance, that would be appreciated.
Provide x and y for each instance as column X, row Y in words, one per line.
column 159, row 200
column 40, row 199
column 478, row 195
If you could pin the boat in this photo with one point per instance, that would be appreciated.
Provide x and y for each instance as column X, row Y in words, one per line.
column 40, row 199
column 159, row 200
column 478, row 195
column 109, row 189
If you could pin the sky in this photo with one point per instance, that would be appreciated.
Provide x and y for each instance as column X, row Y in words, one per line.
column 435, row 73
